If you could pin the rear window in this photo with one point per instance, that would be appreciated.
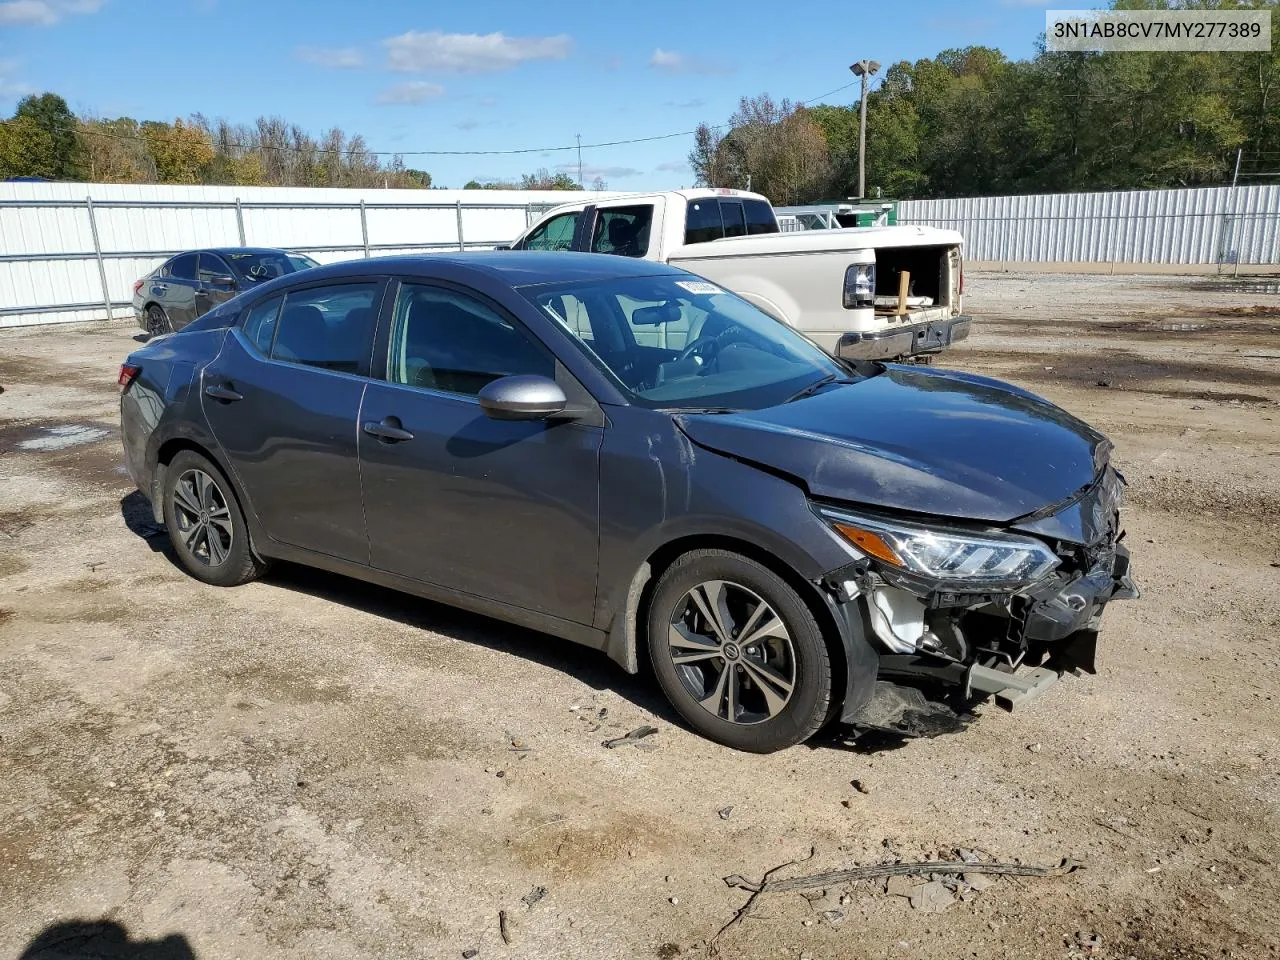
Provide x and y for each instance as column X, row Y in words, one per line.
column 711, row 218
column 760, row 218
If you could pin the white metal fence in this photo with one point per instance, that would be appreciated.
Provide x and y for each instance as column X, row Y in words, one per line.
column 1222, row 226
column 72, row 251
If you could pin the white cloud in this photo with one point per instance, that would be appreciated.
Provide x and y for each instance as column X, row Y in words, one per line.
column 341, row 58
column 415, row 52
column 408, row 94
column 590, row 173
column 679, row 64
column 685, row 104
column 673, row 166
column 10, row 86
column 43, row 13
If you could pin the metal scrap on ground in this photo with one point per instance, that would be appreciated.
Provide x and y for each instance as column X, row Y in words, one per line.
column 639, row 733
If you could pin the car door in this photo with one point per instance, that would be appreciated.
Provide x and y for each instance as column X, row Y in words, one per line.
column 282, row 399
column 217, row 284
column 179, row 295
column 507, row 510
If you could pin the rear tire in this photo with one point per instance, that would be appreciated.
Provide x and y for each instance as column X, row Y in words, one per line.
column 205, row 523
column 158, row 322
column 738, row 652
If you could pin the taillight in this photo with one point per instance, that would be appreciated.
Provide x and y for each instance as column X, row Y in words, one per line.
column 860, row 286
column 127, row 374
column 138, row 286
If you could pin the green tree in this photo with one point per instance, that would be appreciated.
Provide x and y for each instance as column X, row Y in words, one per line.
column 58, row 154
column 26, row 150
column 181, row 152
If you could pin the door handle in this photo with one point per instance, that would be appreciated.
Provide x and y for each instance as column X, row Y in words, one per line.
column 387, row 430
column 222, row 392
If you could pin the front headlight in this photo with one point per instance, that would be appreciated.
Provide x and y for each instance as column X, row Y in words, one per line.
column 981, row 559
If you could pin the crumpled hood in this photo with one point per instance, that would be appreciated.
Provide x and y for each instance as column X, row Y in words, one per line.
column 936, row 442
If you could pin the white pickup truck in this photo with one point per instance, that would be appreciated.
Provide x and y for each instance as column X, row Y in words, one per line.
column 880, row 293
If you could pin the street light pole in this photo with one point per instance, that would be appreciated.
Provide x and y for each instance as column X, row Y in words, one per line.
column 863, row 69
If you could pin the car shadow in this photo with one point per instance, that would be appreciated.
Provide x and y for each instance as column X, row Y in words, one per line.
column 102, row 940
column 590, row 666
column 135, row 510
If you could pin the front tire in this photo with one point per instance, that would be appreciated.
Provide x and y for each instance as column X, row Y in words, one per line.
column 738, row 652
column 205, row 523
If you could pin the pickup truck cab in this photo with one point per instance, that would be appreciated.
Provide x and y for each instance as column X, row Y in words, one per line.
column 883, row 293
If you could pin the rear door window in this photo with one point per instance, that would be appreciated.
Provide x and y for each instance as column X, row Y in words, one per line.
column 555, row 234
column 760, row 218
column 181, row 267
column 623, row 231
column 702, row 221
column 735, row 224
column 328, row 327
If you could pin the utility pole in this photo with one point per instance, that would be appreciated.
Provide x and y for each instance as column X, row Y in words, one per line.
column 863, row 69
column 579, row 136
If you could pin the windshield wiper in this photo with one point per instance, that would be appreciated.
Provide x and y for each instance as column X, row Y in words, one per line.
column 817, row 385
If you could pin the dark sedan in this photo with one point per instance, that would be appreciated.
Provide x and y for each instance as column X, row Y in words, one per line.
column 190, row 284
column 627, row 456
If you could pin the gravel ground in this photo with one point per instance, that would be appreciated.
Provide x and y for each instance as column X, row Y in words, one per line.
column 309, row 767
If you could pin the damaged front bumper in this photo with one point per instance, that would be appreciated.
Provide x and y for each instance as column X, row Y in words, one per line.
column 944, row 646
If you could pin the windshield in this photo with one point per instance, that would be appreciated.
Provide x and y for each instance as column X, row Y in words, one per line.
column 258, row 265
column 680, row 342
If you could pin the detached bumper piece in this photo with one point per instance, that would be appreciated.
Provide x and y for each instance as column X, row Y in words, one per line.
column 907, row 340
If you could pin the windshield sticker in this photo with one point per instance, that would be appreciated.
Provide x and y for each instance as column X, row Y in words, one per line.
column 698, row 287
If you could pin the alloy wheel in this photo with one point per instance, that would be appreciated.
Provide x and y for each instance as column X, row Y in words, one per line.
column 732, row 652
column 203, row 520
column 157, row 322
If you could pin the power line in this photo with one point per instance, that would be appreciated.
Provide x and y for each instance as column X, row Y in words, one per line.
column 137, row 138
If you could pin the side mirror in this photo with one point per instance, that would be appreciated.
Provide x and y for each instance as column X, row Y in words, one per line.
column 503, row 246
column 522, row 397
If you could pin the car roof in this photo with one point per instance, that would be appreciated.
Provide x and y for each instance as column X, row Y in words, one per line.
column 227, row 251
column 517, row 268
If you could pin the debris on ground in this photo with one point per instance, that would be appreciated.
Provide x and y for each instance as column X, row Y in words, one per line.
column 725, row 812
column 1088, row 941
column 932, row 897
column 636, row 735
column 929, row 895
column 533, row 896
column 833, row 917
column 469, row 953
column 504, row 927
column 859, row 786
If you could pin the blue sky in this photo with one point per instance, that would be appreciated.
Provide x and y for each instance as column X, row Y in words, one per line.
column 480, row 75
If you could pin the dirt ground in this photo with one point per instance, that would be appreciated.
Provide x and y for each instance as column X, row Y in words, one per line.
column 309, row 767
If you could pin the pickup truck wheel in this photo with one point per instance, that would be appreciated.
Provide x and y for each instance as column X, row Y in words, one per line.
column 738, row 653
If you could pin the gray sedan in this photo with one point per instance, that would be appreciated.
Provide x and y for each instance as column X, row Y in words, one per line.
column 190, row 284
column 627, row 456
